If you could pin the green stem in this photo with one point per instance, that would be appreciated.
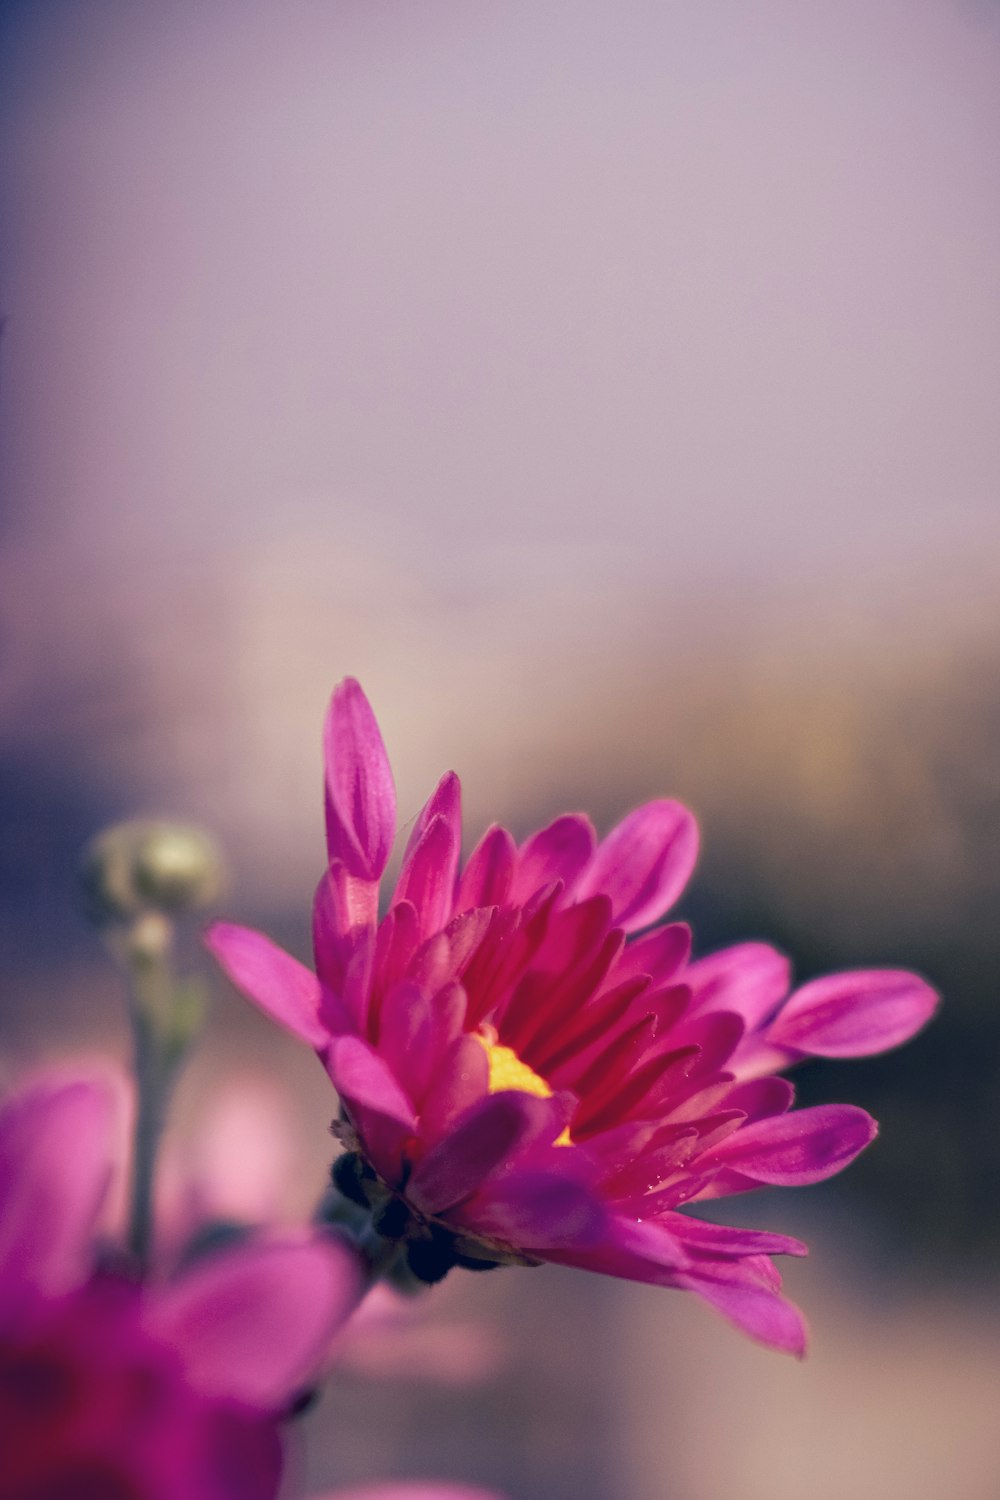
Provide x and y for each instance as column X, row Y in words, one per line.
column 152, row 1092
column 157, row 1056
column 379, row 1255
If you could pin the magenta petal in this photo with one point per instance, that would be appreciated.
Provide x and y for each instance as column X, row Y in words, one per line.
column 360, row 796
column 329, row 928
column 416, row 1030
column 444, row 802
column 487, row 875
column 722, row 1240
column 750, row 979
column 660, row 954
column 762, row 1314
column 461, row 1080
column 487, row 1136
column 341, row 905
column 790, row 1150
column 361, row 1077
column 288, row 991
column 397, row 940
column 355, row 995
column 427, row 879
column 855, row 1014
column 558, row 852
column 637, row 1250
column 760, row 1097
column 643, row 864
column 536, row 1209
column 254, row 1322
column 55, row 1165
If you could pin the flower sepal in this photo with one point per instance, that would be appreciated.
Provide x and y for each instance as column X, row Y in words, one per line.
column 411, row 1249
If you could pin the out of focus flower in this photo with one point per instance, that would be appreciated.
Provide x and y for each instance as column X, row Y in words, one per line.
column 395, row 1336
column 144, row 866
column 110, row 1390
column 240, row 1166
column 411, row 1490
column 519, row 1081
column 236, row 1164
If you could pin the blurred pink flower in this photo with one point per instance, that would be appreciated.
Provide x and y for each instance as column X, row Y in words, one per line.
column 411, row 1490
column 518, row 1080
column 237, row 1163
column 240, row 1166
column 393, row 1336
column 114, row 1391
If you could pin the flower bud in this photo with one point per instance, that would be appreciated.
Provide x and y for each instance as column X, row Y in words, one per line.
column 177, row 869
column 145, row 866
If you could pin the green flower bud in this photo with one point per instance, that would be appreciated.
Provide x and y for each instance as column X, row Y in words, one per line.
column 177, row 869
column 145, row 866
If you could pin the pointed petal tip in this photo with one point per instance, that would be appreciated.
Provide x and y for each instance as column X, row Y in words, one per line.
column 768, row 1318
column 282, row 987
column 360, row 793
column 855, row 1014
column 796, row 1149
column 644, row 863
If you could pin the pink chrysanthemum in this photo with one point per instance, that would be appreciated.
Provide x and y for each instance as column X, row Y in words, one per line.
column 519, row 1080
column 114, row 1391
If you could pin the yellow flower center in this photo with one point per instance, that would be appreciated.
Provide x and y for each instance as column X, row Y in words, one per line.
column 507, row 1071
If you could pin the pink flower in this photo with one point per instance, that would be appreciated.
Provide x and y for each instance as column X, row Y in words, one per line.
column 393, row 1336
column 522, row 1075
column 114, row 1391
column 412, row 1489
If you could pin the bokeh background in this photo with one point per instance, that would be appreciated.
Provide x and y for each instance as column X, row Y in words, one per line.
column 612, row 387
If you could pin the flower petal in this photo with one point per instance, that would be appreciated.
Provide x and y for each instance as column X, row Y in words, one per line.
column 361, row 1077
column 536, row 1209
column 444, row 802
column 55, row 1165
column 416, row 1029
column 558, row 852
column 461, row 1080
column 288, row 991
column 397, row 941
column 750, row 979
column 254, row 1322
column 790, row 1150
column 643, row 864
column 760, row 1097
column 660, row 954
column 724, row 1240
column 855, row 1014
column 341, row 906
column 487, row 875
column 427, row 879
column 360, row 796
column 764, row 1315
column 487, row 1136
column 637, row 1250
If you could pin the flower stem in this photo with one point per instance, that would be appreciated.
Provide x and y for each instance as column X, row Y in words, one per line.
column 165, row 1016
column 153, row 1085
column 380, row 1255
column 138, row 878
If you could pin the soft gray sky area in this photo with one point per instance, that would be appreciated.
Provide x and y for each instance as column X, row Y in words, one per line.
column 670, row 292
column 536, row 363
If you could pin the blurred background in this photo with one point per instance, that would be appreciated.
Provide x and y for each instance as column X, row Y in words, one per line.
column 612, row 388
